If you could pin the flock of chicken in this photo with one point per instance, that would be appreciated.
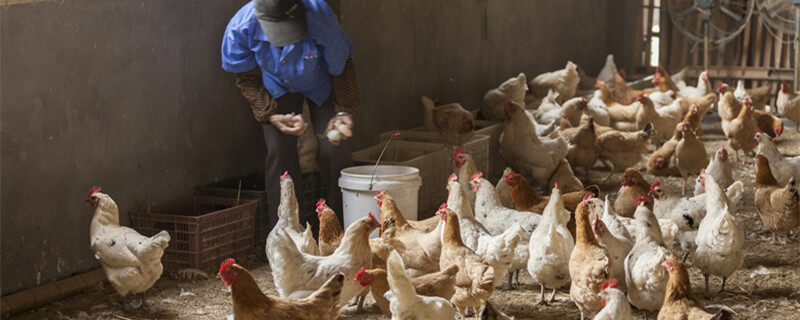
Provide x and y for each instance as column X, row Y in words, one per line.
column 614, row 255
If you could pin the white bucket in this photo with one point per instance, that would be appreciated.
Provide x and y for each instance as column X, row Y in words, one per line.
column 358, row 199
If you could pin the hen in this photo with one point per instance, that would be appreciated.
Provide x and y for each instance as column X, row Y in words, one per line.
column 493, row 215
column 615, row 304
column 760, row 95
column 624, row 149
column 720, row 169
column 742, row 129
column 777, row 204
column 703, row 87
column 582, row 150
column 466, row 168
column 330, row 231
column 503, row 190
column 420, row 250
column 694, row 119
column 426, row 225
column 564, row 82
column 662, row 162
column 589, row 265
column 405, row 303
column 783, row 168
column 289, row 221
column 679, row 302
column 720, row 237
column 536, row 157
column 730, row 108
column 645, row 276
column 788, row 103
column 298, row 274
column 475, row 278
column 494, row 102
column 633, row 116
column 609, row 69
column 617, row 245
column 690, row 155
column 437, row 284
column 250, row 303
column 565, row 177
column 550, row 248
column 455, row 124
column 623, row 94
column 634, row 185
column 668, row 117
column 131, row 261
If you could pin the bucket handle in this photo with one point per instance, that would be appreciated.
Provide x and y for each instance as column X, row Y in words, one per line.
column 374, row 168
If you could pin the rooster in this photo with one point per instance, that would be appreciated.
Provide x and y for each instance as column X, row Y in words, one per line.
column 250, row 303
column 131, row 261
column 455, row 124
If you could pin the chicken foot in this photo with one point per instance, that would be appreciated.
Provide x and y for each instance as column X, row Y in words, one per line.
column 553, row 295
column 541, row 300
column 613, row 170
column 722, row 287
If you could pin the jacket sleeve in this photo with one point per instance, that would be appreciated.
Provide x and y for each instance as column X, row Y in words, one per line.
column 252, row 87
column 346, row 97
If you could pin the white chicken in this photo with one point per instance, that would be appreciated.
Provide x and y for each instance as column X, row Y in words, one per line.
column 609, row 69
column 662, row 99
column 617, row 246
column 572, row 108
column 131, row 261
column 703, row 87
column 494, row 101
column 645, row 275
column 466, row 168
column 289, row 221
column 535, row 157
column 551, row 247
column 740, row 91
column 615, row 304
column 597, row 109
column 298, row 274
column 564, row 82
column 493, row 215
column 668, row 117
column 783, row 168
column 719, row 237
column 404, row 303
column 720, row 168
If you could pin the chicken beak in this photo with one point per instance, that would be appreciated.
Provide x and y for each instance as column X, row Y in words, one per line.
column 219, row 276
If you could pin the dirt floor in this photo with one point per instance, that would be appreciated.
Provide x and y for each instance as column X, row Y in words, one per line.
column 767, row 286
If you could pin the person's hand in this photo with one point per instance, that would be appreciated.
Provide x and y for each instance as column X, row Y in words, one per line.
column 342, row 122
column 289, row 123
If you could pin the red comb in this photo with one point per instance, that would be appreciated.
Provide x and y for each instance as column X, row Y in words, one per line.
column 373, row 217
column 321, row 202
column 622, row 72
column 453, row 177
column 442, row 207
column 588, row 196
column 459, row 151
column 758, row 130
column 360, row 273
column 641, row 199
column 92, row 191
column 719, row 87
column 226, row 264
column 780, row 129
column 655, row 184
column 508, row 101
column 610, row 283
column 476, row 176
column 285, row 175
column 640, row 96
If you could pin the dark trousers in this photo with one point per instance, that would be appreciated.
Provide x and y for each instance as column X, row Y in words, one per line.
column 282, row 156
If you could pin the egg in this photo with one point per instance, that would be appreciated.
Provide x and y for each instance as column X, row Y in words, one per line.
column 334, row 136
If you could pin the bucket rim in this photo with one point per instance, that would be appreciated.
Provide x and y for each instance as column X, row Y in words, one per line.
column 367, row 172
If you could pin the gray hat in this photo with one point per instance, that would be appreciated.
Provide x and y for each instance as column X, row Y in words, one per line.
column 283, row 21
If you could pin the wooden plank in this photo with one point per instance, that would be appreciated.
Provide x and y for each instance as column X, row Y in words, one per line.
column 757, row 46
column 737, row 72
column 745, row 52
column 647, row 30
column 698, row 52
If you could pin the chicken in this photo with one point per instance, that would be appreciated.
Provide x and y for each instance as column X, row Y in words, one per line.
column 131, row 261
column 609, row 69
column 694, row 119
column 550, row 248
column 495, row 217
column 624, row 149
column 573, row 109
column 565, row 177
column 623, row 94
column 393, row 213
column 598, row 109
column 527, row 199
column 783, row 168
column 548, row 105
column 250, row 303
column 633, row 186
column 533, row 156
column 405, row 303
column 633, row 116
column 420, row 250
column 720, row 237
column 760, row 95
column 668, row 117
column 289, row 221
column 606, row 95
column 704, row 103
column 494, row 101
column 703, row 87
column 475, row 278
column 503, row 190
column 615, row 304
column 466, row 168
column 662, row 99
column 730, row 108
column 330, row 231
column 582, row 150
column 564, row 82
column 777, row 204
column 679, row 302
column 617, row 245
column 297, row 274
column 662, row 162
column 769, row 124
column 455, row 124
column 742, row 129
column 437, row 284
column 490, row 312
column 720, row 169
column 589, row 265
column 645, row 276
column 788, row 103
column 690, row 155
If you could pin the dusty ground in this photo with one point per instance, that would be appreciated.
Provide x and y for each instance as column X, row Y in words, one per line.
column 766, row 287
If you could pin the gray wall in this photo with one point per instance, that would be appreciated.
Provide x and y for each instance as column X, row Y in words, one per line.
column 129, row 95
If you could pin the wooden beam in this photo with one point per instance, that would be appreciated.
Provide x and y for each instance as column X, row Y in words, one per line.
column 751, row 73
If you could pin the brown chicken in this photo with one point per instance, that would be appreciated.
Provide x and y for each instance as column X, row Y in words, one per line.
column 695, row 118
column 605, row 93
column 565, row 177
column 426, row 225
column 730, row 108
column 690, row 155
column 582, row 150
column 250, row 303
column 475, row 278
column 742, row 130
column 664, row 84
column 454, row 123
column 778, row 206
column 419, row 250
column 330, row 231
column 767, row 123
column 661, row 162
column 634, row 185
column 623, row 93
column 704, row 103
column 437, row 284
column 589, row 265
column 679, row 302
column 624, row 149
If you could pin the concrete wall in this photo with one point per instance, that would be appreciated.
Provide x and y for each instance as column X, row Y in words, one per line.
column 129, row 95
